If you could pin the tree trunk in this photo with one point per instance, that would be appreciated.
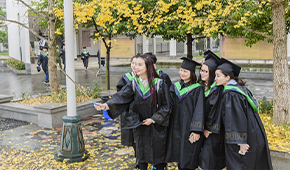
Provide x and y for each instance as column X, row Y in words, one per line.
column 52, row 69
column 281, row 102
column 108, row 63
column 189, row 45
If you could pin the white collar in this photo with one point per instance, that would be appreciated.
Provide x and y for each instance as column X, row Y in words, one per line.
column 232, row 82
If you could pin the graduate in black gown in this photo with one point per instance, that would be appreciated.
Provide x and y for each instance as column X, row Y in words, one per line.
column 246, row 144
column 43, row 61
column 85, row 57
column 161, row 74
column 212, row 156
column 185, row 135
column 127, row 137
column 151, row 110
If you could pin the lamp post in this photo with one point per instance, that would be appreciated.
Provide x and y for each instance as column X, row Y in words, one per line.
column 72, row 146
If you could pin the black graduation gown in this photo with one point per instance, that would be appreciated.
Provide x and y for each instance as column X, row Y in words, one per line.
column 127, row 137
column 165, row 77
column 43, row 60
column 212, row 155
column 244, row 126
column 187, row 116
column 85, row 58
column 150, row 140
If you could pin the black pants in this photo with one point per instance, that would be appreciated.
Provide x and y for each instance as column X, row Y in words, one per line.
column 143, row 166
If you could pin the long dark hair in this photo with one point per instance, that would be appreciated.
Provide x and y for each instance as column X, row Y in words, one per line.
column 192, row 78
column 238, row 79
column 151, row 75
column 210, row 81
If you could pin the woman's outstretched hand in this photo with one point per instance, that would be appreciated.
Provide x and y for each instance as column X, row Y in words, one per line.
column 100, row 106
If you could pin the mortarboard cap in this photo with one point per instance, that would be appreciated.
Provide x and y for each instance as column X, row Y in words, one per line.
column 189, row 64
column 232, row 69
column 84, row 47
column 211, row 60
column 45, row 47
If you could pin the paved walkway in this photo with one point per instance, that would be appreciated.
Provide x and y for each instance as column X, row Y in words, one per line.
column 27, row 146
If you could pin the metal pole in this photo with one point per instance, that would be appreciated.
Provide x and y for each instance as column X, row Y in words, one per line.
column 69, row 54
column 72, row 145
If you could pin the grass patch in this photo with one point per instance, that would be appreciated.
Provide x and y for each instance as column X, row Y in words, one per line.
column 6, row 54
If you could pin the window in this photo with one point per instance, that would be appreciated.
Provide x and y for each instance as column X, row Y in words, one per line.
column 86, row 38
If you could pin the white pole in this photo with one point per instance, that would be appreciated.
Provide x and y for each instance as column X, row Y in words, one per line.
column 221, row 45
column 69, row 57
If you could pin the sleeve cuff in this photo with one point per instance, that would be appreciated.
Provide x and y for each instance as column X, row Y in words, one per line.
column 106, row 107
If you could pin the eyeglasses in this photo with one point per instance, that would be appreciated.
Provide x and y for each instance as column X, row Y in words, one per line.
column 203, row 71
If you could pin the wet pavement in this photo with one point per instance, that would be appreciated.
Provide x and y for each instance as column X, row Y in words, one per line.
column 26, row 85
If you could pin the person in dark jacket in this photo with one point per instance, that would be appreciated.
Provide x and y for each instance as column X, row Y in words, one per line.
column 185, row 135
column 43, row 61
column 85, row 57
column 212, row 156
column 246, row 145
column 127, row 137
column 151, row 107
column 62, row 54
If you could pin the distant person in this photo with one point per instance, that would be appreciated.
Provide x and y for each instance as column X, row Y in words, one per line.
column 57, row 53
column 63, row 44
column 85, row 57
column 43, row 60
column 62, row 54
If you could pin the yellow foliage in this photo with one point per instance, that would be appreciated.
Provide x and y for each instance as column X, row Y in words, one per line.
column 278, row 136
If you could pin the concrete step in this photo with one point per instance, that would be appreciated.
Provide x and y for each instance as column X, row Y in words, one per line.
column 4, row 69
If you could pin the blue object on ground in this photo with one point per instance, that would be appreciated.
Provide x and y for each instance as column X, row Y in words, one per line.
column 106, row 116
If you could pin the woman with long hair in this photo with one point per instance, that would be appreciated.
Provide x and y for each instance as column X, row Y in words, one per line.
column 212, row 155
column 151, row 111
column 246, row 145
column 160, row 72
column 187, row 118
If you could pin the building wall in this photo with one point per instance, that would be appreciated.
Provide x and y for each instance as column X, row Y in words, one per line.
column 123, row 47
column 18, row 36
column 236, row 49
column 94, row 44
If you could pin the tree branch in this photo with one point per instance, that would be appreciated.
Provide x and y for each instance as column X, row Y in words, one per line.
column 99, row 32
column 16, row 22
column 246, row 28
column 28, row 6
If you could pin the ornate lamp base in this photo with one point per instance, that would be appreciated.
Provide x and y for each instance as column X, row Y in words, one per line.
column 72, row 146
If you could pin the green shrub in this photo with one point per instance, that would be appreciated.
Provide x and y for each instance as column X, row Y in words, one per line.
column 18, row 65
column 266, row 107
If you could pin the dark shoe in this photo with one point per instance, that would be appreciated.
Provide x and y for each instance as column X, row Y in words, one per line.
column 136, row 165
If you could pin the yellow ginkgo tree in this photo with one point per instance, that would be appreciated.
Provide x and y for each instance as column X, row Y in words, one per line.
column 108, row 18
